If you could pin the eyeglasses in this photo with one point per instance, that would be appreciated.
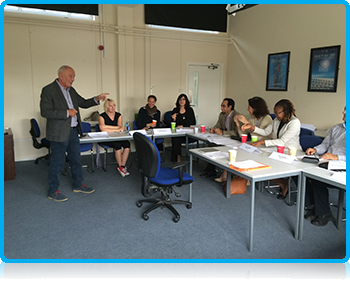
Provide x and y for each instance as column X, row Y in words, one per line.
column 182, row 98
column 279, row 113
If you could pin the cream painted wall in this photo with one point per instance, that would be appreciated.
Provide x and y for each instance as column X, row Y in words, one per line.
column 266, row 29
column 136, row 58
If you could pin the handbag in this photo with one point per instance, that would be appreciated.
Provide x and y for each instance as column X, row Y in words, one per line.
column 238, row 185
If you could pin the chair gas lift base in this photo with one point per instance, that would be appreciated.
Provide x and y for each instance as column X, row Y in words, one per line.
column 159, row 179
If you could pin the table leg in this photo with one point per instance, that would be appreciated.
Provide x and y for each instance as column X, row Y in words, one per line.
column 340, row 207
column 190, row 191
column 299, row 211
column 252, row 203
column 186, row 145
column 228, row 185
column 301, row 204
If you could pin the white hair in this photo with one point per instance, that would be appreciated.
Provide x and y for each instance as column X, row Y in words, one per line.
column 62, row 69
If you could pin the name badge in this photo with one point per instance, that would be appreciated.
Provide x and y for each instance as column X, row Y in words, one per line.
column 282, row 157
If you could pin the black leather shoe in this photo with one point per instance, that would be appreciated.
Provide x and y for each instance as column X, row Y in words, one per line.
column 310, row 215
column 322, row 220
column 280, row 196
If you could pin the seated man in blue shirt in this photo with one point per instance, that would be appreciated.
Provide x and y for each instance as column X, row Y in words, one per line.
column 333, row 147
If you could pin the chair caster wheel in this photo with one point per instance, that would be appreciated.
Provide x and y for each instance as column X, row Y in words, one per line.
column 176, row 219
column 145, row 217
column 189, row 206
column 139, row 204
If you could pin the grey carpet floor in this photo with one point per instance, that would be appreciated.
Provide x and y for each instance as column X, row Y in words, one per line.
column 108, row 225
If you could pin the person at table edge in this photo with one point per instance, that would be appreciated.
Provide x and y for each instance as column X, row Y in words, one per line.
column 333, row 147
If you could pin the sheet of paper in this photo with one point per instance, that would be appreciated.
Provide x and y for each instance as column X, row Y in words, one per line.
column 249, row 148
column 161, row 131
column 282, row 157
column 339, row 176
column 131, row 133
column 208, row 149
column 246, row 164
column 336, row 164
column 98, row 135
column 184, row 130
column 216, row 154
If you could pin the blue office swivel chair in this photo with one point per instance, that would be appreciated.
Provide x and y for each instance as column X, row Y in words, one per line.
column 159, row 142
column 159, row 179
column 35, row 133
column 306, row 132
column 167, row 119
column 309, row 141
column 86, row 128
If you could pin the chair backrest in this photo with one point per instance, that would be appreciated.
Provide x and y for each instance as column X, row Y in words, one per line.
column 306, row 132
column 97, row 128
column 134, row 125
column 147, row 155
column 167, row 118
column 85, row 127
column 34, row 128
column 273, row 116
column 308, row 141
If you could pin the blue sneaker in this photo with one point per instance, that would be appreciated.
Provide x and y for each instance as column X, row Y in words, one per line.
column 57, row 196
column 83, row 189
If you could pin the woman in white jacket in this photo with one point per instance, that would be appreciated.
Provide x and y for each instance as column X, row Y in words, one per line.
column 285, row 130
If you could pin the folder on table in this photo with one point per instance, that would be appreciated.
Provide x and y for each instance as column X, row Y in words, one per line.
column 248, row 165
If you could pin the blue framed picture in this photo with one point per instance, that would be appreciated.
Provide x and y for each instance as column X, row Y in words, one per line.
column 277, row 71
column 324, row 66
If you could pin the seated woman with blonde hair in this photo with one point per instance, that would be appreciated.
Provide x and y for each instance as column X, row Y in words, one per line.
column 285, row 130
column 111, row 121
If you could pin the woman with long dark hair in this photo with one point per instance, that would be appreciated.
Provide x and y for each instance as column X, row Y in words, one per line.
column 183, row 115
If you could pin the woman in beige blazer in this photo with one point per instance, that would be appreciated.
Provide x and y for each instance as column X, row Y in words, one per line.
column 258, row 116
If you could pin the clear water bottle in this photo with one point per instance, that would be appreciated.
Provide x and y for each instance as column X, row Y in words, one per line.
column 127, row 125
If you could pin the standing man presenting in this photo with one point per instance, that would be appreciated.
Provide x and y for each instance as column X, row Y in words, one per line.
column 333, row 147
column 60, row 104
column 226, row 124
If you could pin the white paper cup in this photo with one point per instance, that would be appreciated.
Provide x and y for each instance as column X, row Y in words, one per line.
column 232, row 154
column 292, row 151
column 195, row 130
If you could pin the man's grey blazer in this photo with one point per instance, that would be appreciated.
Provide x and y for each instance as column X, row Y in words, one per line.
column 53, row 107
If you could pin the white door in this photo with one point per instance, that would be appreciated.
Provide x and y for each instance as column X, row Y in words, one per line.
column 204, row 85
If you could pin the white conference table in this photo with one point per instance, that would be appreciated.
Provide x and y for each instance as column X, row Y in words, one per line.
column 278, row 170
column 119, row 136
column 324, row 176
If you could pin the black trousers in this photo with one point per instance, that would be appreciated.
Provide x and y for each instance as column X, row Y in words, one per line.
column 317, row 194
column 176, row 147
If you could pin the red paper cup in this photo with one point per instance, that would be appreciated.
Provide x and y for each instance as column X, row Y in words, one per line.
column 280, row 148
column 244, row 138
column 202, row 129
column 154, row 121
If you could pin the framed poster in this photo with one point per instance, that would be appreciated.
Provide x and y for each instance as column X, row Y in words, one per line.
column 323, row 72
column 277, row 71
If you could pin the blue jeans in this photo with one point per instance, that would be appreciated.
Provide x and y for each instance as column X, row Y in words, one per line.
column 58, row 158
